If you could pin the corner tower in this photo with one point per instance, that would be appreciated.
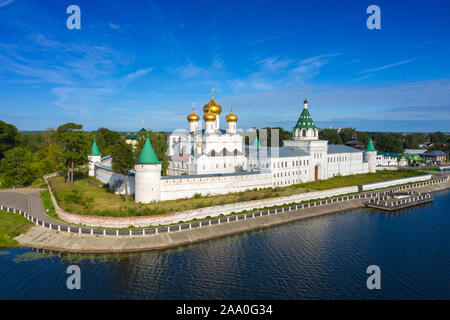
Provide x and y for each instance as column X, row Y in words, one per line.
column 147, row 175
column 370, row 155
column 94, row 157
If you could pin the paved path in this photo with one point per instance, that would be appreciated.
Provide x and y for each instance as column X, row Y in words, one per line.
column 28, row 200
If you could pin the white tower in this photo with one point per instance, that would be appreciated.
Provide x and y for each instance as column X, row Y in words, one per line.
column 193, row 121
column 371, row 156
column 231, row 119
column 147, row 176
column 94, row 157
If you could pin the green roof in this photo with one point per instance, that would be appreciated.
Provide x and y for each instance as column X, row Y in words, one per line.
column 142, row 130
column 305, row 121
column 148, row 155
column 94, row 150
column 256, row 141
column 131, row 137
column 370, row 146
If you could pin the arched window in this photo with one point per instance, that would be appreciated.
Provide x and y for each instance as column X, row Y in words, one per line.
column 213, row 153
column 303, row 132
column 224, row 152
column 235, row 152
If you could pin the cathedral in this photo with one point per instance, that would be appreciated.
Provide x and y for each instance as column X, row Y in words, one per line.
column 208, row 150
column 211, row 160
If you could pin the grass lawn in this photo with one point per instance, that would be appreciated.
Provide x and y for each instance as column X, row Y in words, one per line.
column 12, row 225
column 88, row 197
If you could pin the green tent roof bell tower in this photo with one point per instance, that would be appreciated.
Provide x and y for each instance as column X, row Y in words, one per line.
column 370, row 146
column 94, row 149
column 148, row 155
column 305, row 121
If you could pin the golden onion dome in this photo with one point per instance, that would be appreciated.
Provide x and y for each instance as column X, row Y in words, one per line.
column 209, row 116
column 212, row 106
column 193, row 116
column 231, row 117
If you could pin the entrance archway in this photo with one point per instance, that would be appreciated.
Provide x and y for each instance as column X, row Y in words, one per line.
column 316, row 172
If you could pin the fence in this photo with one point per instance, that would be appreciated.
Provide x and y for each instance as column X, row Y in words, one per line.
column 220, row 220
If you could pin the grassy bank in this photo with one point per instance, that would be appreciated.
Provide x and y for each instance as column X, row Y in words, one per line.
column 88, row 197
column 12, row 225
column 48, row 205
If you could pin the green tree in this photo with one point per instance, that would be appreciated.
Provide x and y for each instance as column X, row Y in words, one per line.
column 412, row 141
column 347, row 134
column 363, row 137
column 76, row 146
column 388, row 142
column 8, row 137
column 16, row 166
column 55, row 155
column 123, row 161
column 438, row 137
column 106, row 139
column 331, row 135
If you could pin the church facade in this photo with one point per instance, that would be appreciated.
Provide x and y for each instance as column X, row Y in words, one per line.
column 217, row 161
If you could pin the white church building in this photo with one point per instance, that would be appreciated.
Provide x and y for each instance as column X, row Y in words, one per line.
column 216, row 161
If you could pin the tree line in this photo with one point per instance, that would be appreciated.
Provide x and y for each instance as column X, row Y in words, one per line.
column 388, row 141
column 25, row 156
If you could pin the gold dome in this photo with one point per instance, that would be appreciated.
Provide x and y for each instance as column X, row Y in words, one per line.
column 209, row 116
column 212, row 106
column 231, row 116
column 193, row 116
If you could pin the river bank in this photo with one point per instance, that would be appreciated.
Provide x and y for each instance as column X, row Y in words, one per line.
column 43, row 238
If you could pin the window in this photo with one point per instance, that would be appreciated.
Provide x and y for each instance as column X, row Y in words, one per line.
column 213, row 153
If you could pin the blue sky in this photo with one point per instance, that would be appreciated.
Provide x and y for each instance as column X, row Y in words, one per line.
column 149, row 60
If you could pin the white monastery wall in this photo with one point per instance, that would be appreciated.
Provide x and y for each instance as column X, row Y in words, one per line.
column 187, row 186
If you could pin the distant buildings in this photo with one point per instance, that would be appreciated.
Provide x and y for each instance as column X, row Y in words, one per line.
column 435, row 157
column 415, row 151
column 409, row 157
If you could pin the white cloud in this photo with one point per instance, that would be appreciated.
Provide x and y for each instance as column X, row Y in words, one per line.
column 5, row 3
column 114, row 26
column 274, row 64
column 387, row 66
column 138, row 74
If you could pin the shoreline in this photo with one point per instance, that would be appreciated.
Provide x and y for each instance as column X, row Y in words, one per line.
column 52, row 240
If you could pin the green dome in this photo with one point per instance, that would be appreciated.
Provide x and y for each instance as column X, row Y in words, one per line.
column 148, row 155
column 370, row 146
column 94, row 149
column 305, row 121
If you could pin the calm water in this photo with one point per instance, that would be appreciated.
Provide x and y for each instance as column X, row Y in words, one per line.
column 323, row 257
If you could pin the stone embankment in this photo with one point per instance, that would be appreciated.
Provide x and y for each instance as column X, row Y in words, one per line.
column 50, row 239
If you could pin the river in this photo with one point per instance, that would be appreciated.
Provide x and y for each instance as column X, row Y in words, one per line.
column 320, row 258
